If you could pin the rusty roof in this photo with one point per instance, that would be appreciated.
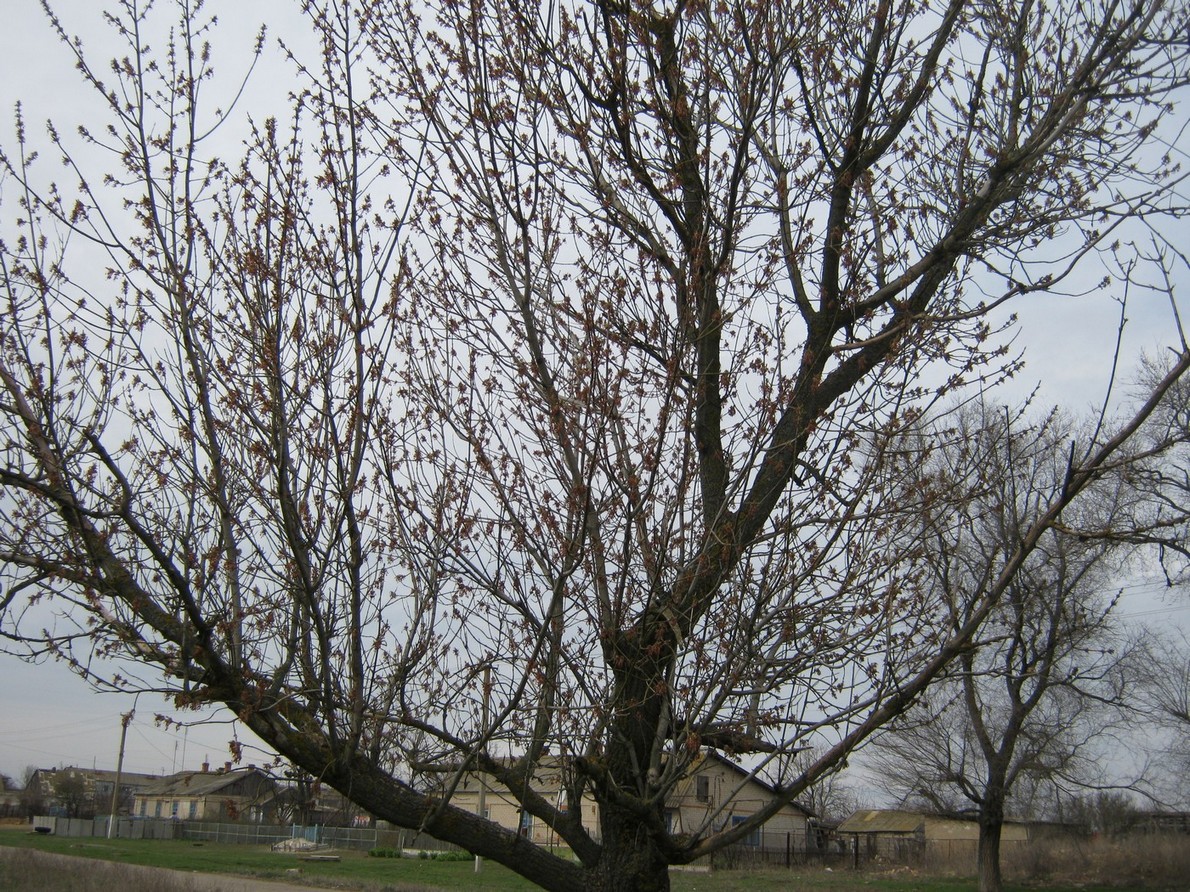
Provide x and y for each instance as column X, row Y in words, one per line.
column 874, row 820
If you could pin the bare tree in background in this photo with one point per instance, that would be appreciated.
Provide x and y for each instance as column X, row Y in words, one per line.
column 1159, row 516
column 1169, row 695
column 32, row 800
column 1033, row 700
column 1110, row 813
column 69, row 788
column 1166, row 699
column 829, row 798
column 529, row 387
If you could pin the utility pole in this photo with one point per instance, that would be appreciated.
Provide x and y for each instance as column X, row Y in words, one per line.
column 125, row 721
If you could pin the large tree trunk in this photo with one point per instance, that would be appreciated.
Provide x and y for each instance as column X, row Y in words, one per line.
column 991, row 821
column 630, row 860
column 629, row 817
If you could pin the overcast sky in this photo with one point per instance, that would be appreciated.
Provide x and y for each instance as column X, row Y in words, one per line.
column 51, row 718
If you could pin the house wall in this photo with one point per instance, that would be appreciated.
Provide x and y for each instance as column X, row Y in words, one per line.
column 238, row 801
column 181, row 807
column 695, row 802
column 941, row 829
column 97, row 786
column 700, row 799
column 504, row 810
column 215, row 807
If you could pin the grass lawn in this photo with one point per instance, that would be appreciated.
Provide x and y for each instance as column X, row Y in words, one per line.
column 357, row 870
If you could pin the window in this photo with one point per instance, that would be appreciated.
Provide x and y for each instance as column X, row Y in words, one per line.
column 157, row 809
column 193, row 809
column 143, row 805
column 702, row 788
column 173, row 811
column 526, row 824
column 753, row 838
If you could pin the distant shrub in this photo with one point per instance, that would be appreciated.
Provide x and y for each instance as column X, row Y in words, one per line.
column 384, row 853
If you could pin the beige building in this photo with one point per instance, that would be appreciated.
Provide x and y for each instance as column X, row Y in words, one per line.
column 901, row 835
column 227, row 794
column 718, row 793
column 500, row 806
column 715, row 794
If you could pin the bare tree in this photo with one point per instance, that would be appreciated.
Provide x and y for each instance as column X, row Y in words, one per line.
column 1051, row 672
column 1159, row 518
column 532, row 388
column 1111, row 813
column 32, row 799
column 1165, row 696
column 71, row 793
column 829, row 798
column 297, row 800
column 1169, row 684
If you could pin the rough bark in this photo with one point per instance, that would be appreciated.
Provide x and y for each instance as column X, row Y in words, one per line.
column 991, row 823
column 630, row 857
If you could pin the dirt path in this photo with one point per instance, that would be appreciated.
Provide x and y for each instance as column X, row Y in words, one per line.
column 197, row 882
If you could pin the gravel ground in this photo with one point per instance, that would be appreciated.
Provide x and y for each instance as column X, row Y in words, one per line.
column 197, row 882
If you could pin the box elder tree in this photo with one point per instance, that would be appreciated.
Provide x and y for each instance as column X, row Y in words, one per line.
column 526, row 386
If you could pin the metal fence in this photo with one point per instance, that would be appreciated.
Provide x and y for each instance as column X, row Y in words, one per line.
column 764, row 848
column 358, row 838
column 773, row 848
column 864, row 849
column 244, row 834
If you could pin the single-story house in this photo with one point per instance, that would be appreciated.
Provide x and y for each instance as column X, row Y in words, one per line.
column 227, row 794
column 901, row 835
column 718, row 792
column 1163, row 821
column 501, row 807
column 715, row 793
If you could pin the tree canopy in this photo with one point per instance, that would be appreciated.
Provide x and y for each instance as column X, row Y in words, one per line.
column 529, row 385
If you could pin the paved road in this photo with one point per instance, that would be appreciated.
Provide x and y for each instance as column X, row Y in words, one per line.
column 193, row 882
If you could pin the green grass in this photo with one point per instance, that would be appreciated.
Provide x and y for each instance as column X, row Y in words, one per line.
column 357, row 870
column 260, row 861
column 815, row 879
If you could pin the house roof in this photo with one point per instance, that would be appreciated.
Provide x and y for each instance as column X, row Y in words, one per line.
column 871, row 820
column 198, row 783
column 878, row 820
column 127, row 778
